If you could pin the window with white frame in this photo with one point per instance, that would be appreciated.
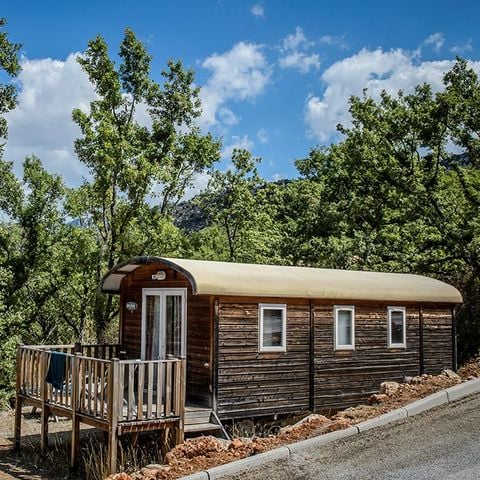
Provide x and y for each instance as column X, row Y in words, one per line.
column 272, row 323
column 397, row 327
column 344, row 327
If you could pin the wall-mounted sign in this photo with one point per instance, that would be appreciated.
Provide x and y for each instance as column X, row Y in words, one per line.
column 159, row 276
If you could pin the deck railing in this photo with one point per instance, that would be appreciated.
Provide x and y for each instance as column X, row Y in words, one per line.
column 105, row 389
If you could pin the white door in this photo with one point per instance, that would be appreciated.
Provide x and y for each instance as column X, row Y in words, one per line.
column 163, row 323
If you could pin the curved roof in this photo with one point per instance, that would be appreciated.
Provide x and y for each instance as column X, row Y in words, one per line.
column 222, row 278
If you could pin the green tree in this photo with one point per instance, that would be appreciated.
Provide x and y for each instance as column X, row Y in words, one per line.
column 10, row 65
column 394, row 195
column 241, row 219
column 34, row 242
column 132, row 162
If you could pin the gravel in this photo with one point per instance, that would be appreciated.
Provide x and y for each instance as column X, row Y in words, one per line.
column 442, row 443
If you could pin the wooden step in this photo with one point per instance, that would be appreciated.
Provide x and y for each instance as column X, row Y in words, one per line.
column 197, row 417
column 202, row 427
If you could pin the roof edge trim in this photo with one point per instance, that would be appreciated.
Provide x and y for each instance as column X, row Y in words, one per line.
column 145, row 260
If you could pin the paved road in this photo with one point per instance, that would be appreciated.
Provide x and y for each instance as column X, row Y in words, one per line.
column 442, row 444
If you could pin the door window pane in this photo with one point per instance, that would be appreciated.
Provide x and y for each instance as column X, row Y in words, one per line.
column 173, row 325
column 162, row 330
column 153, row 327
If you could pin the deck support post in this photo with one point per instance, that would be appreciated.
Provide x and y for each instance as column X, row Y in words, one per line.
column 43, row 396
column 113, row 394
column 75, row 439
column 18, row 399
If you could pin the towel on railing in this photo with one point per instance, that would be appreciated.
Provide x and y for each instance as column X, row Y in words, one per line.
column 56, row 369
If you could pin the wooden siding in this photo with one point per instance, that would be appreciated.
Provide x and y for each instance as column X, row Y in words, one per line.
column 347, row 377
column 199, row 326
column 437, row 339
column 260, row 383
column 199, row 350
column 253, row 383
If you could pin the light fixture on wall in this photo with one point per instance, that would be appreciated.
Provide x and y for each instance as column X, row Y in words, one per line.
column 131, row 306
column 161, row 275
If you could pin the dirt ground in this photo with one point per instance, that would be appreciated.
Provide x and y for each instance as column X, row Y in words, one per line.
column 28, row 463
column 203, row 452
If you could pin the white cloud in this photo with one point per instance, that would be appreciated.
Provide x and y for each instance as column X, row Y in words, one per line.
column 262, row 136
column 278, row 176
column 375, row 70
column 300, row 61
column 333, row 40
column 41, row 124
column 239, row 74
column 237, row 142
column 257, row 10
column 296, row 40
column 294, row 53
column 436, row 40
column 227, row 117
column 465, row 48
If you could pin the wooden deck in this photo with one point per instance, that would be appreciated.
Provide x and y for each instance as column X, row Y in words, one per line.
column 99, row 389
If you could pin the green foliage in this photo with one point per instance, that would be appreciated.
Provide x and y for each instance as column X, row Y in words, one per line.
column 10, row 65
column 236, row 202
column 393, row 196
column 131, row 163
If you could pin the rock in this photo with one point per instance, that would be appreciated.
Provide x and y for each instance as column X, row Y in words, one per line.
column 451, row 374
column 377, row 398
column 119, row 476
column 235, row 443
column 389, row 388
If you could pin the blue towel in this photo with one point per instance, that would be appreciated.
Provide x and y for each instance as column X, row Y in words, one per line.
column 56, row 370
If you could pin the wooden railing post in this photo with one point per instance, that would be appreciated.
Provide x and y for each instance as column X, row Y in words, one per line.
column 113, row 394
column 43, row 397
column 180, row 399
column 74, row 403
column 18, row 398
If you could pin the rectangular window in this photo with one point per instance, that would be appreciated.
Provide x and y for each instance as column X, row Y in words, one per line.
column 397, row 327
column 272, row 324
column 344, row 327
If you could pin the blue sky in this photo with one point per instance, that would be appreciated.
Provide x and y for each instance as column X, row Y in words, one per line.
column 276, row 76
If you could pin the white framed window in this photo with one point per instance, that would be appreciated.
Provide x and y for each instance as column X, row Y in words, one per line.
column 344, row 327
column 397, row 327
column 272, row 319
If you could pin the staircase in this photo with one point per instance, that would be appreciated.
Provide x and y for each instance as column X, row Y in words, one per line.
column 199, row 421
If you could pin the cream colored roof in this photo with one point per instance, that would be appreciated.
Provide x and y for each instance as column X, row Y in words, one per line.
column 222, row 278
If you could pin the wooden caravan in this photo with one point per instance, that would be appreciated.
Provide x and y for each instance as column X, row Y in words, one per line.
column 263, row 340
column 203, row 341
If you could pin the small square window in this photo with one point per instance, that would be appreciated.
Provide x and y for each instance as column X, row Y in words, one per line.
column 272, row 320
column 344, row 327
column 397, row 327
